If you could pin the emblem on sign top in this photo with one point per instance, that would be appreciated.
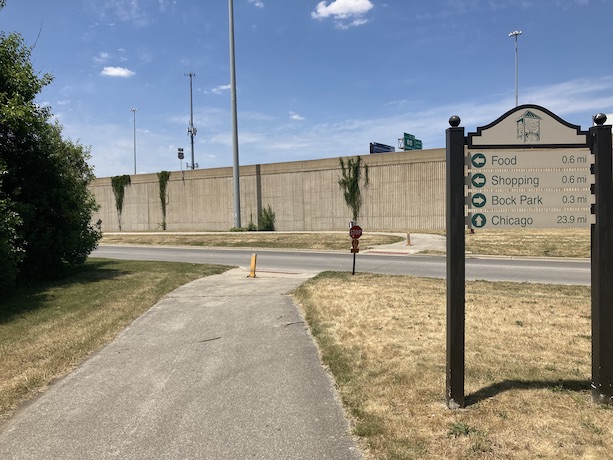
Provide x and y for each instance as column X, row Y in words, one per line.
column 529, row 127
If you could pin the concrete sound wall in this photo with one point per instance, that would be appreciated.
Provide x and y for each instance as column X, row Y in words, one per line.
column 406, row 192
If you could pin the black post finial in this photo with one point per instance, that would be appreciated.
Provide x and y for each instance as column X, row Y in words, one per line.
column 600, row 119
column 454, row 121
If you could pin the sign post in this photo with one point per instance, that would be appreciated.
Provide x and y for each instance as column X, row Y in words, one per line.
column 602, row 265
column 456, row 267
column 531, row 169
column 355, row 232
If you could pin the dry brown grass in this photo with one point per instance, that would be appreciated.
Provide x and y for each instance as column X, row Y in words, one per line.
column 530, row 243
column 533, row 242
column 322, row 241
column 527, row 368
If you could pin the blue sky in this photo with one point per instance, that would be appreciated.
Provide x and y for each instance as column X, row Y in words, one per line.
column 314, row 79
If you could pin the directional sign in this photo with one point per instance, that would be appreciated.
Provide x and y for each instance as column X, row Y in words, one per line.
column 529, row 200
column 532, row 159
column 541, row 219
column 524, row 180
column 530, row 188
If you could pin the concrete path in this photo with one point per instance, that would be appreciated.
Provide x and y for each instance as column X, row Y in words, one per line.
column 221, row 368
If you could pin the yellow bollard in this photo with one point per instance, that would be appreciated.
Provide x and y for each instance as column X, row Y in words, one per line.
column 254, row 258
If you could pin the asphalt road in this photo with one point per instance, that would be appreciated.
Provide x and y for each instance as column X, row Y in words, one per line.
column 551, row 271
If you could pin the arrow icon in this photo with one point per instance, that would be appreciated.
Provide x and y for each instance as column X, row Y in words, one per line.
column 478, row 220
column 478, row 160
column 478, row 200
column 478, row 180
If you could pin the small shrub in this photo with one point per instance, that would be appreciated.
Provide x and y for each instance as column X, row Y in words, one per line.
column 251, row 227
column 458, row 429
column 266, row 220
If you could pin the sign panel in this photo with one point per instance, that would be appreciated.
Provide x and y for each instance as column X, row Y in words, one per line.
column 530, row 188
column 375, row 147
column 530, row 180
column 530, row 200
column 541, row 219
column 531, row 159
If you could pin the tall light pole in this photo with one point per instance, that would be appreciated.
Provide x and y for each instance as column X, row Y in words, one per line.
column 133, row 110
column 516, row 33
column 236, row 176
column 191, row 130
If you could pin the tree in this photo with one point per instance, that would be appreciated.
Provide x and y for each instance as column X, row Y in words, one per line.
column 350, row 184
column 11, row 250
column 46, row 177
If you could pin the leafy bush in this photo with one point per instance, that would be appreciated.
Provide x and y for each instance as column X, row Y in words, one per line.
column 266, row 220
column 46, row 204
column 251, row 227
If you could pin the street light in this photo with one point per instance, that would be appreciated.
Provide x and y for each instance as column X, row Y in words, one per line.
column 516, row 33
column 133, row 110
column 235, row 169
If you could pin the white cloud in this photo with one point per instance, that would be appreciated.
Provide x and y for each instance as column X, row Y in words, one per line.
column 132, row 11
column 102, row 57
column 346, row 25
column 295, row 116
column 257, row 3
column 117, row 72
column 342, row 9
column 221, row 88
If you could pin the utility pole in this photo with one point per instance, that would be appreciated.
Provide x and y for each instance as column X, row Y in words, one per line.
column 191, row 130
column 133, row 110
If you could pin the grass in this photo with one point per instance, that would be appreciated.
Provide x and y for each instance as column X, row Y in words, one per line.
column 531, row 243
column 383, row 338
column 527, row 367
column 49, row 328
column 322, row 241
column 528, row 243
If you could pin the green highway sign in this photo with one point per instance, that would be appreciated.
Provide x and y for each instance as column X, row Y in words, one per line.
column 410, row 143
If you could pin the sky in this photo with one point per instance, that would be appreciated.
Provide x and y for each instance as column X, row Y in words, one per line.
column 314, row 79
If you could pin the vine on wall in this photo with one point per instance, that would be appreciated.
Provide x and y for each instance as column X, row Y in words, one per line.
column 163, row 177
column 119, row 184
column 350, row 184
